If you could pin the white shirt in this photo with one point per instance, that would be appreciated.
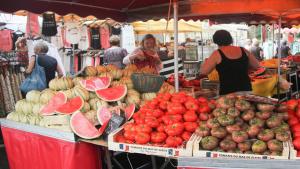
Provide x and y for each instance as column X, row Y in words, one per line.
column 72, row 32
column 84, row 39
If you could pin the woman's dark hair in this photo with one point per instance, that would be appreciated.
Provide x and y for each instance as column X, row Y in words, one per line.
column 148, row 36
column 222, row 38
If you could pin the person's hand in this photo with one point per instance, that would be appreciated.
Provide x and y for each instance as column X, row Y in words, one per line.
column 140, row 57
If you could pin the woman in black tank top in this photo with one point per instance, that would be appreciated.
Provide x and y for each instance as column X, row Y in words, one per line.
column 233, row 73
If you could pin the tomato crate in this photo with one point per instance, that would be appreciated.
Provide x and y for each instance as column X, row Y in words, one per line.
column 185, row 150
column 197, row 152
column 293, row 152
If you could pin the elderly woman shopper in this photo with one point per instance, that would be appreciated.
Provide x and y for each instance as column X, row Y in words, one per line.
column 145, row 55
column 47, row 62
column 115, row 54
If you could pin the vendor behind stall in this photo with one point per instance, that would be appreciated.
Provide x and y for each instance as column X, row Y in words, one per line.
column 232, row 64
column 145, row 55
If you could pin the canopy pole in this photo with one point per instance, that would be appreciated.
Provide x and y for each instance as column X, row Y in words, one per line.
column 175, row 7
column 279, row 55
column 273, row 38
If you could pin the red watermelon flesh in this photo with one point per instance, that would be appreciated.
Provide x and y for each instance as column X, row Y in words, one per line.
column 129, row 110
column 103, row 115
column 82, row 127
column 55, row 102
column 73, row 105
column 96, row 83
column 103, row 127
column 111, row 94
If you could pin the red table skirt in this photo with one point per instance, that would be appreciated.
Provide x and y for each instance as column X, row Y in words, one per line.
column 32, row 151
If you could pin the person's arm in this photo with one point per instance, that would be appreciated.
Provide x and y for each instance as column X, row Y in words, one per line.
column 137, row 53
column 59, row 71
column 209, row 64
column 253, row 62
column 30, row 65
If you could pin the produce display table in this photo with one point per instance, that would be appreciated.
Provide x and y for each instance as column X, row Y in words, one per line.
column 205, row 163
column 34, row 147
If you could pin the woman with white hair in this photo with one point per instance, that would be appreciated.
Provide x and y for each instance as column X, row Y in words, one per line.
column 256, row 50
column 47, row 62
column 115, row 54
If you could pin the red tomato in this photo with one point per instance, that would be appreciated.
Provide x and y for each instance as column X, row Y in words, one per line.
column 120, row 138
column 129, row 127
column 191, row 104
column 190, row 126
column 292, row 121
column 202, row 100
column 157, row 113
column 142, row 138
column 174, row 129
column 143, row 128
column 129, row 141
column 186, row 136
column 296, row 134
column 204, row 108
column 298, row 153
column 171, row 142
column 176, row 108
column 170, row 119
column 129, row 135
column 178, row 141
column 204, row 116
column 154, row 103
column 296, row 127
column 296, row 143
column 163, row 105
column 151, row 121
column 158, row 137
column 160, row 119
column 161, row 128
column 292, row 104
column 190, row 116
column 297, row 113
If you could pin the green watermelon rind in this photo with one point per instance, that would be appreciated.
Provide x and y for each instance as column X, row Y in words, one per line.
column 115, row 98
column 89, row 123
column 70, row 112
column 52, row 113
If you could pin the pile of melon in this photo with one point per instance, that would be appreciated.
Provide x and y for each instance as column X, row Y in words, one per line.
column 83, row 103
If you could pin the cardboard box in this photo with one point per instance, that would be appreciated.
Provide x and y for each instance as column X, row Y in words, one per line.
column 293, row 152
column 214, row 154
column 148, row 149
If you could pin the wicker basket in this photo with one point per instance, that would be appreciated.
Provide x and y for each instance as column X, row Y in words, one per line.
column 146, row 83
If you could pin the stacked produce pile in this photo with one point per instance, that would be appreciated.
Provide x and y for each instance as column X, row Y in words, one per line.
column 239, row 126
column 167, row 120
column 294, row 122
column 184, row 82
column 100, row 87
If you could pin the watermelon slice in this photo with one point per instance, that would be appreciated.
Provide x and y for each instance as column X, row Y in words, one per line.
column 103, row 115
column 82, row 127
column 129, row 110
column 111, row 94
column 96, row 83
column 103, row 127
column 56, row 101
column 73, row 105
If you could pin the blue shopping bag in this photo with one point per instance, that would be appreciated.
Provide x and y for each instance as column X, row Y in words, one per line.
column 36, row 80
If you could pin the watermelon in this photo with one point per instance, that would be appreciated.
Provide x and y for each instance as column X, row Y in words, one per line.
column 96, row 83
column 73, row 105
column 82, row 127
column 111, row 94
column 129, row 110
column 103, row 115
column 260, row 71
column 56, row 101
